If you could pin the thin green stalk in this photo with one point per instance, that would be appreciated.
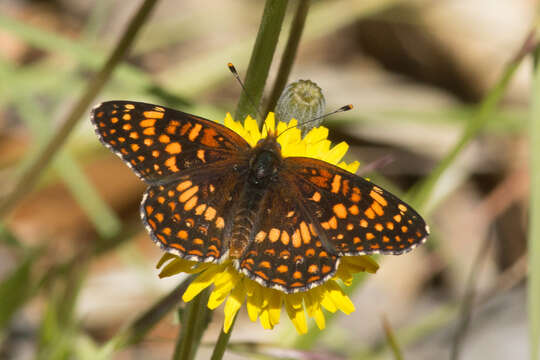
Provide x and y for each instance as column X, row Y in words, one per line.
column 533, row 282
column 223, row 341
column 420, row 194
column 194, row 319
column 31, row 175
column 289, row 55
column 391, row 339
column 261, row 58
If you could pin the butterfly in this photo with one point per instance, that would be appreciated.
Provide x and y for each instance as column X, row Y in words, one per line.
column 285, row 222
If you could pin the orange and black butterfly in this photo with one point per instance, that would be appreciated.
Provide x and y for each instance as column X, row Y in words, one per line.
column 284, row 221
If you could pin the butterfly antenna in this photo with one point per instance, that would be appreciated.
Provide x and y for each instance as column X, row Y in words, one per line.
column 252, row 103
column 341, row 109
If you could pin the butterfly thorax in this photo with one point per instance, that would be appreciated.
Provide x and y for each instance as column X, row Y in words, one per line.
column 264, row 164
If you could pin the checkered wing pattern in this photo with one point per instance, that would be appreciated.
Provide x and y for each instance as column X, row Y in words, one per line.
column 354, row 216
column 160, row 143
column 286, row 252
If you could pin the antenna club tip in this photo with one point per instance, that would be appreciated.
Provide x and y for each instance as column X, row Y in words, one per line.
column 348, row 107
column 232, row 68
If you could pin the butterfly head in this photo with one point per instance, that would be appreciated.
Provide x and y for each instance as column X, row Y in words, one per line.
column 265, row 161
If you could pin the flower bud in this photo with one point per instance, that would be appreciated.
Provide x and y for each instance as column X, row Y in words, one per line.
column 302, row 100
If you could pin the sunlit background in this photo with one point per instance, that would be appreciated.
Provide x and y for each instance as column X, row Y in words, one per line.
column 416, row 72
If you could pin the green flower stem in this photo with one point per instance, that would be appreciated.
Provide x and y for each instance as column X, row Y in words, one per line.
column 261, row 58
column 136, row 331
column 31, row 175
column 195, row 319
column 289, row 55
column 420, row 194
column 223, row 341
column 533, row 281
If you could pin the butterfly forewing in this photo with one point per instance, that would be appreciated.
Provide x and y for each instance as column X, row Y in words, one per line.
column 160, row 143
column 355, row 216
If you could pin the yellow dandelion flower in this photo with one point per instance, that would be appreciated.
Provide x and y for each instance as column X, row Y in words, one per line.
column 263, row 303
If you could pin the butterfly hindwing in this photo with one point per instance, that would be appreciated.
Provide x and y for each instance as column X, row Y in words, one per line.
column 159, row 143
column 355, row 216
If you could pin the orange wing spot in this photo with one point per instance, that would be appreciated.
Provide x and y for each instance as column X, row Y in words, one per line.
column 135, row 147
column 161, row 199
column 200, row 209
column 326, row 269
column 179, row 247
column 126, row 127
column 190, row 223
column 166, row 231
column 325, row 225
column 173, row 148
column 273, row 235
column 112, row 131
column 156, row 167
column 194, row 132
column 114, row 111
column 297, row 275
column 114, row 120
column 310, row 252
column 398, row 238
column 282, row 269
column 377, row 208
column 279, row 281
column 356, row 240
column 150, row 131
column 304, row 231
column 340, row 211
column 290, row 214
column 171, row 164
column 190, row 204
column 270, row 252
column 313, row 269
column 126, row 117
column 370, row 213
column 195, row 252
column 402, row 207
column 354, row 210
column 262, row 275
column 155, row 153
column 390, row 225
column 356, row 196
column 164, row 139
column 419, row 234
column 265, row 264
column 360, row 248
column 378, row 198
column 411, row 240
column 129, row 106
column 198, row 241
column 316, row 196
column 370, row 236
column 404, row 229
column 385, row 239
column 296, row 239
column 159, row 108
column 183, row 185
column 333, row 222
column 101, row 124
column 153, row 114
column 312, row 229
column 200, row 155
column 389, row 247
column 210, row 214
column 122, row 139
column 152, row 224
column 133, row 162
column 379, row 227
column 285, row 254
column 172, row 205
column 159, row 217
column 313, row 278
column 176, row 217
column 186, row 195
column 350, row 226
column 149, row 209
column 134, row 135
column 212, row 188
column 100, row 114
column 319, row 181
column 285, row 238
column 208, row 138
column 397, row 218
column 182, row 234
column 336, row 184
column 297, row 284
column 345, row 188
column 147, row 123
column 364, row 223
column 112, row 142
column 170, row 193
column 261, row 235
column 323, row 254
column 148, row 142
column 375, row 246
column 185, row 128
column 161, row 238
column 220, row 223
column 170, row 129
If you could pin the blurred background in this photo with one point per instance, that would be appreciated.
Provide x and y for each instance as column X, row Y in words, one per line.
column 77, row 266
